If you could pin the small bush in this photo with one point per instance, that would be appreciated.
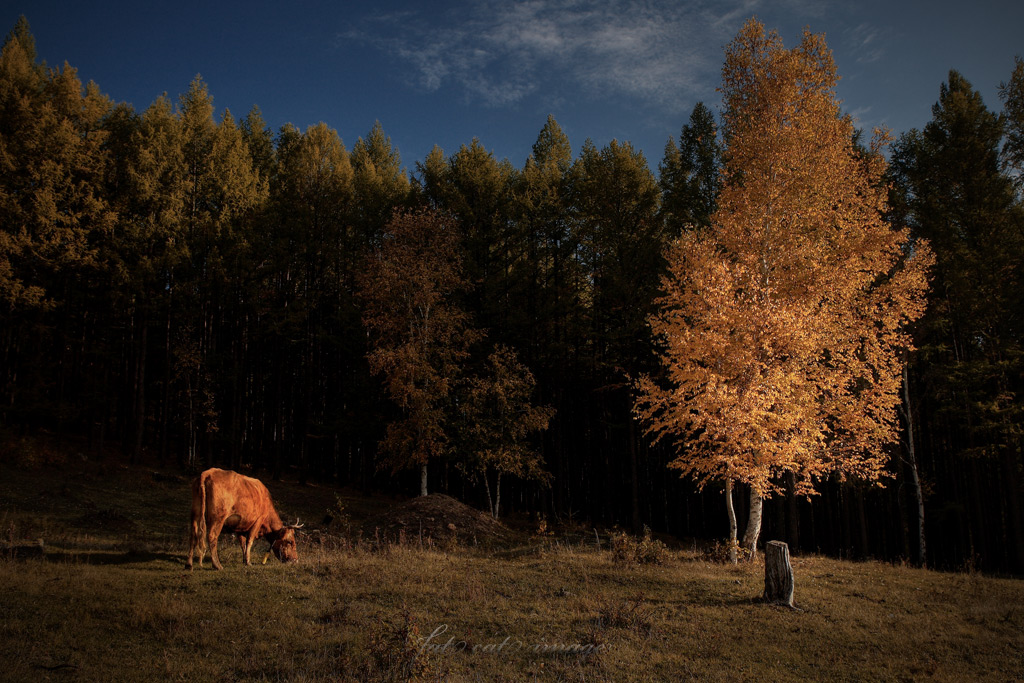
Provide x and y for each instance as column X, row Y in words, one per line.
column 719, row 552
column 628, row 550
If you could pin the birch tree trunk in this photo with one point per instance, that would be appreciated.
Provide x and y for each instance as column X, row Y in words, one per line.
column 423, row 479
column 732, row 520
column 753, row 531
column 915, row 480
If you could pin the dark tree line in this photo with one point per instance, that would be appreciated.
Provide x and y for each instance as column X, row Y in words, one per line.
column 190, row 288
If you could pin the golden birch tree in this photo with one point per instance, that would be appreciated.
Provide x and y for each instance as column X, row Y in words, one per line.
column 782, row 324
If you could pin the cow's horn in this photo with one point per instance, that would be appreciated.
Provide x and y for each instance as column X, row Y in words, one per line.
column 297, row 525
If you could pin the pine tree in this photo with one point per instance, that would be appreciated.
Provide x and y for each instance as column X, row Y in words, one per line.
column 689, row 174
column 52, row 165
column 783, row 322
column 955, row 192
column 222, row 192
column 614, row 199
column 311, row 261
column 1012, row 95
column 54, row 219
column 615, row 205
column 381, row 185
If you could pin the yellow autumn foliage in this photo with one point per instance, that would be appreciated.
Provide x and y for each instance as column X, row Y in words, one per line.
column 783, row 322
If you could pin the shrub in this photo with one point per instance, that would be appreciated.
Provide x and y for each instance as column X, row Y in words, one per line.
column 629, row 550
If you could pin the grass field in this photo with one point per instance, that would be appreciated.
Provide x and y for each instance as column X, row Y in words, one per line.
column 108, row 598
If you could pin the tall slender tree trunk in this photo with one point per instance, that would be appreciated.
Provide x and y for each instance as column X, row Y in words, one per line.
column 915, row 480
column 731, row 511
column 634, row 477
column 792, row 513
column 490, row 499
column 423, row 479
column 497, row 496
column 753, row 531
column 140, row 393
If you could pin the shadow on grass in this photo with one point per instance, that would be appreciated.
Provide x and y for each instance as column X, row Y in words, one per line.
column 112, row 558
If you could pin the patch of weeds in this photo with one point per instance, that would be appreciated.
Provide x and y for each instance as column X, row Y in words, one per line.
column 31, row 452
column 722, row 552
column 337, row 519
column 337, row 613
column 396, row 652
column 631, row 615
column 627, row 549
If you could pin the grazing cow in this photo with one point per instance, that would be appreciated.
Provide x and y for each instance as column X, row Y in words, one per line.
column 227, row 501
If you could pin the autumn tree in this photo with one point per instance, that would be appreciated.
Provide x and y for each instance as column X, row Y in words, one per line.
column 420, row 336
column 221, row 191
column 380, row 185
column 783, row 323
column 475, row 188
column 54, row 218
column 498, row 417
column 150, row 243
column 311, row 263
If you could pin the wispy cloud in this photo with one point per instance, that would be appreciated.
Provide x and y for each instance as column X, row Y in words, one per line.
column 500, row 52
column 867, row 42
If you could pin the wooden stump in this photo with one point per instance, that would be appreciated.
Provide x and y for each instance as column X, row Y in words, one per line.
column 778, row 574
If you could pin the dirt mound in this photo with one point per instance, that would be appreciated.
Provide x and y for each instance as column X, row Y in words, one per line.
column 438, row 518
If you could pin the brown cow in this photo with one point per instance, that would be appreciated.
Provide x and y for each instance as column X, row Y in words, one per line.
column 227, row 501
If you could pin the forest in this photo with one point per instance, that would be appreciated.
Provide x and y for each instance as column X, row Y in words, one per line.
column 187, row 288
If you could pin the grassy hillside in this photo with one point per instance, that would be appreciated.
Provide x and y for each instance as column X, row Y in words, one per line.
column 108, row 598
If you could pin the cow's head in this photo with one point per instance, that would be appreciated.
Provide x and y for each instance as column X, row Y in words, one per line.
column 283, row 545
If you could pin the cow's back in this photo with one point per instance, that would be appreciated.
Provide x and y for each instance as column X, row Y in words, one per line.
column 230, row 493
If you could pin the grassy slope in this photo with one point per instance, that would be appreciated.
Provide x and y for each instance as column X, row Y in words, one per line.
column 111, row 601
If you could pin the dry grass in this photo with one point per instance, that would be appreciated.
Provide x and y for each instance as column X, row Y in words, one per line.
column 116, row 604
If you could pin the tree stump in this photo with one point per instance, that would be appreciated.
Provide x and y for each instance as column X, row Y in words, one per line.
column 778, row 574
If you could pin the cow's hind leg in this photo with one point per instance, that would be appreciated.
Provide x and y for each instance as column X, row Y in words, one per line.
column 195, row 542
column 211, row 538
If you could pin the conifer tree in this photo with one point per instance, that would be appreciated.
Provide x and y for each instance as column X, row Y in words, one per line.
column 54, row 219
column 689, row 174
column 955, row 192
column 1012, row 94
column 380, row 183
column 614, row 199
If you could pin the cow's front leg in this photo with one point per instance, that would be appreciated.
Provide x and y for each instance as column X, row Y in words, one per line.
column 245, row 543
column 248, row 546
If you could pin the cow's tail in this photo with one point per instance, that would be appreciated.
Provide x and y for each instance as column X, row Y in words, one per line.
column 204, row 490
column 199, row 520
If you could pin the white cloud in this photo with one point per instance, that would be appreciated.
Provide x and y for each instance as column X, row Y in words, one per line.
column 867, row 42
column 500, row 52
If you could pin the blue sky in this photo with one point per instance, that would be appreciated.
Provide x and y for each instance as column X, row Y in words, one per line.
column 445, row 72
